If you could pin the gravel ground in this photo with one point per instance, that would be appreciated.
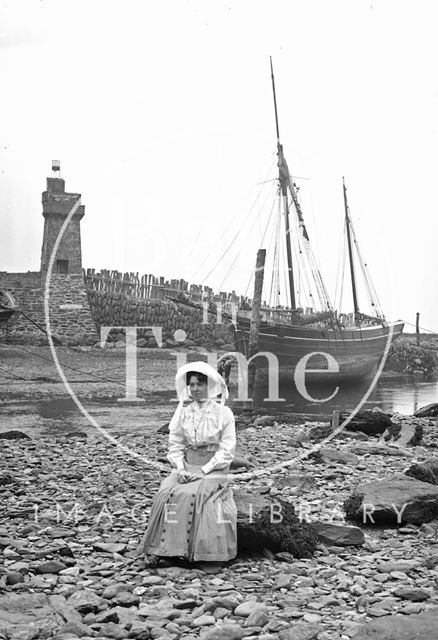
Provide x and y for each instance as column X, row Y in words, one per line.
column 74, row 506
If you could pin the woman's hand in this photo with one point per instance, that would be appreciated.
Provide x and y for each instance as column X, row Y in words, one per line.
column 188, row 476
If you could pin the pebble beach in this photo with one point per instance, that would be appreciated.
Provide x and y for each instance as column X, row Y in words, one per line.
column 74, row 506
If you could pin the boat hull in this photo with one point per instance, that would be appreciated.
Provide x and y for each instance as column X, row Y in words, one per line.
column 326, row 355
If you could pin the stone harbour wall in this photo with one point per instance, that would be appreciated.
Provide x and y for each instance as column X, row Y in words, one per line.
column 70, row 317
column 18, row 328
column 181, row 325
column 27, row 279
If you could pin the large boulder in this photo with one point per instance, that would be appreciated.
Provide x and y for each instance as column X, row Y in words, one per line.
column 425, row 471
column 404, row 434
column 27, row 616
column 263, row 522
column 393, row 500
column 14, row 435
column 372, row 423
column 429, row 410
column 338, row 534
column 421, row 626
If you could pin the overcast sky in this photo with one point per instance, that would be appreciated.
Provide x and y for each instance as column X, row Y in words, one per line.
column 161, row 114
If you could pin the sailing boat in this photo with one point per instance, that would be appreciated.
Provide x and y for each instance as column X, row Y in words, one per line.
column 332, row 346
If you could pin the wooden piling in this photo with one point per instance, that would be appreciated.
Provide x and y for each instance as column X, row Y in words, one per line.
column 255, row 317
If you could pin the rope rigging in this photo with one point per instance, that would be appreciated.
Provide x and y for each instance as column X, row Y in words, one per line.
column 274, row 294
column 369, row 286
column 238, row 232
column 303, row 238
column 239, row 252
column 340, row 273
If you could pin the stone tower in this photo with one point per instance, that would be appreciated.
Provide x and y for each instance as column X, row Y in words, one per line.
column 70, row 316
column 67, row 301
column 57, row 204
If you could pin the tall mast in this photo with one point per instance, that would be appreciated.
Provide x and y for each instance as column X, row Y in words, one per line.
column 350, row 251
column 283, row 178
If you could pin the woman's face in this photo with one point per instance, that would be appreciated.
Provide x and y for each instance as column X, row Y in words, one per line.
column 198, row 390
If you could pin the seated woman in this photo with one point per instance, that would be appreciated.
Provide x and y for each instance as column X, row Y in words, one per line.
column 194, row 515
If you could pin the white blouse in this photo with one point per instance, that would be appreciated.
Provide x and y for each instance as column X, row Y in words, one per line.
column 197, row 426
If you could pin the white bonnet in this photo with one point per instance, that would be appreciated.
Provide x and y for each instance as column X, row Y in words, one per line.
column 216, row 383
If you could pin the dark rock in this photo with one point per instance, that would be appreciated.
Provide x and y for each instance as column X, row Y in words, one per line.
column 429, row 410
column 379, row 502
column 422, row 626
column 372, row 423
column 51, row 566
column 14, row 578
column 14, row 435
column 263, row 522
column 337, row 534
column 66, row 552
column 404, row 434
column 425, row 471
column 411, row 593
column 185, row 604
column 110, row 547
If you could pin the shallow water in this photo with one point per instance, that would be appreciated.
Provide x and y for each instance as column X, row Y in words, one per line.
column 392, row 394
column 54, row 414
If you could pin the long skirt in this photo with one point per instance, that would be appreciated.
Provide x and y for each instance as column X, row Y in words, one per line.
column 194, row 520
